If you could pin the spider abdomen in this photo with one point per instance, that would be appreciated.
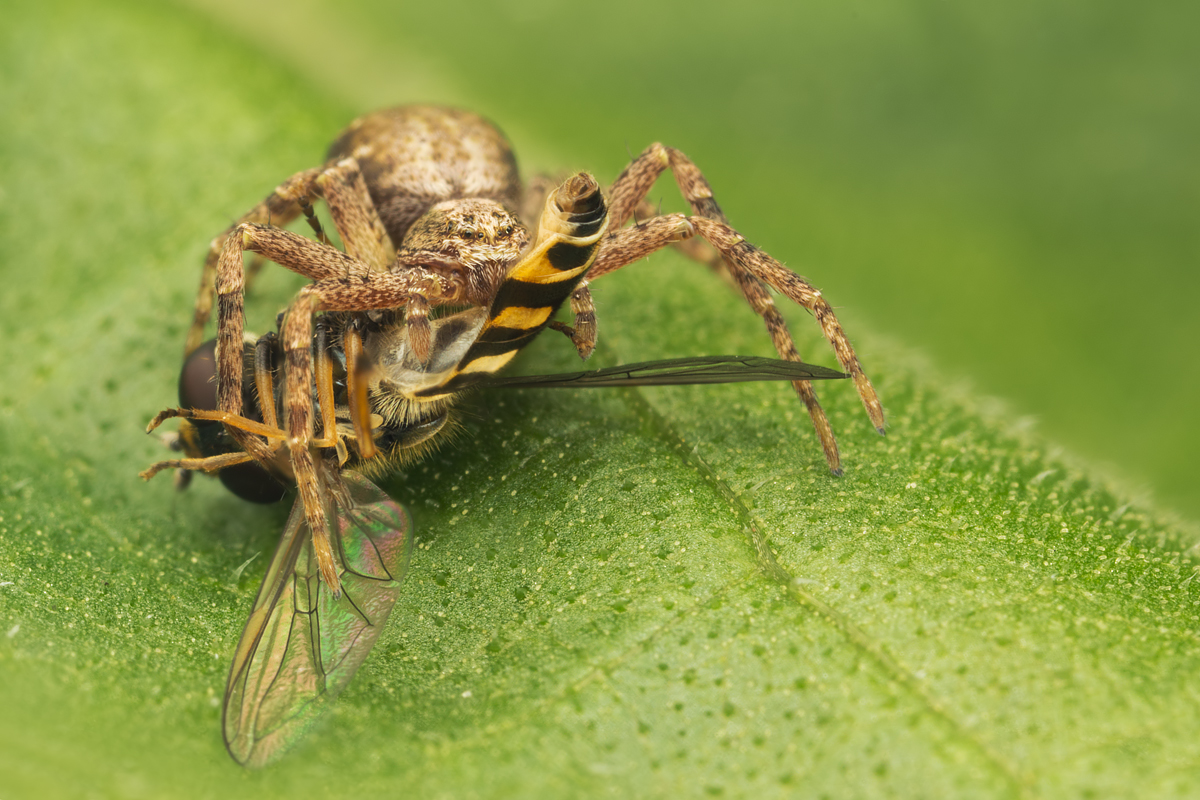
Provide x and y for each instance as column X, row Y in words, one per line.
column 414, row 157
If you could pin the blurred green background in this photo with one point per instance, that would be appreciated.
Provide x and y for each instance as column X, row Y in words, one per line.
column 1010, row 187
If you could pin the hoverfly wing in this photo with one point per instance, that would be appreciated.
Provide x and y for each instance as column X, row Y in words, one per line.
column 674, row 372
column 375, row 538
column 264, row 642
column 301, row 645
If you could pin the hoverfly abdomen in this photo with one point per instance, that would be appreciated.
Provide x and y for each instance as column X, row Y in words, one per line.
column 568, row 238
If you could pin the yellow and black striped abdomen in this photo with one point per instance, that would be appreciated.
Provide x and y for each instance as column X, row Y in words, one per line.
column 575, row 218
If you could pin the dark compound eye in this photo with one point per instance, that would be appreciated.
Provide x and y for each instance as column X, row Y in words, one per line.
column 198, row 378
column 198, row 389
column 251, row 482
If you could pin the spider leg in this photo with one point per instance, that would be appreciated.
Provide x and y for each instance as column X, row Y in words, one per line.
column 280, row 207
column 584, row 310
column 354, row 215
column 749, row 259
column 751, row 269
column 311, row 259
column 374, row 290
column 694, row 248
column 344, row 279
column 297, row 409
column 633, row 244
column 368, row 249
column 342, row 283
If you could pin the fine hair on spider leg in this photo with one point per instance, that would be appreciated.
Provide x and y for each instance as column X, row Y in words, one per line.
column 752, row 270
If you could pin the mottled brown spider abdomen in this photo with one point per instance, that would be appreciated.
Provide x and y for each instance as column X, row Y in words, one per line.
column 417, row 156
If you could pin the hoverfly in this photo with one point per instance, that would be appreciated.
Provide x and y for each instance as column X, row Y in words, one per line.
column 439, row 286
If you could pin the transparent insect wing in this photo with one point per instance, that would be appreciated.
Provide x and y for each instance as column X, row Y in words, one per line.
column 673, row 372
column 301, row 645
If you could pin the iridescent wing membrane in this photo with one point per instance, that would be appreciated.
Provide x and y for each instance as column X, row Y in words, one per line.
column 302, row 645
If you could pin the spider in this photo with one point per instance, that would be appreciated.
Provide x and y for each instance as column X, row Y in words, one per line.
column 440, row 282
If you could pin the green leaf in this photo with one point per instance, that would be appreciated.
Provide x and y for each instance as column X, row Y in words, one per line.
column 589, row 610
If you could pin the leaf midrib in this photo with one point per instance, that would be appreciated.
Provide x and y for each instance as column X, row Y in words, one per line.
column 769, row 568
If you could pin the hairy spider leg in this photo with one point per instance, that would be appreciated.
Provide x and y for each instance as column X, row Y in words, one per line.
column 280, row 207
column 752, row 269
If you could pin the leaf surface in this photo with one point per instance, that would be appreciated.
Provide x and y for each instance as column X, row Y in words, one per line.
column 591, row 607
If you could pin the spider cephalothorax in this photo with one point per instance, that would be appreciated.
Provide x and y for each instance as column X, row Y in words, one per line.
column 475, row 240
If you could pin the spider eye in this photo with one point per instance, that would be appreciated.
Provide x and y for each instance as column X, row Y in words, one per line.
column 468, row 234
column 507, row 231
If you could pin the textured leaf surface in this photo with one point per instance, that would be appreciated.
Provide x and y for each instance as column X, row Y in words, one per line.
column 586, row 612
